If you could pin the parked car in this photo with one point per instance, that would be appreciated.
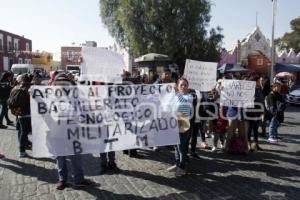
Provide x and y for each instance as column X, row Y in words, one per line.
column 28, row 68
column 293, row 97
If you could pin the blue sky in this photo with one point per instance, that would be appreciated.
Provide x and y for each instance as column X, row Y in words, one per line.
column 51, row 24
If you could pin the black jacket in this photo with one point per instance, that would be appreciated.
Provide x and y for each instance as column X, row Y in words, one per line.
column 275, row 104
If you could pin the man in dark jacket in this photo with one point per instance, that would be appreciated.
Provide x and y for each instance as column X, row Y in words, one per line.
column 166, row 77
column 275, row 105
column 5, row 89
column 21, row 96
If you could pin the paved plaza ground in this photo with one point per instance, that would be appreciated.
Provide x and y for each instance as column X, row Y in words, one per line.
column 270, row 174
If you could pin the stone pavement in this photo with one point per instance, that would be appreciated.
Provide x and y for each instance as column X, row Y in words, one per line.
column 270, row 174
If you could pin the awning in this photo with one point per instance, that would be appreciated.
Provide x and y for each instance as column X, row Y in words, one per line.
column 231, row 68
column 151, row 57
column 287, row 68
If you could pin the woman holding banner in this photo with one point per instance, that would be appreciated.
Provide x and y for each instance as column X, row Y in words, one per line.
column 184, row 104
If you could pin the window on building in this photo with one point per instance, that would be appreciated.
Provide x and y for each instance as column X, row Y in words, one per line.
column 70, row 55
column 16, row 44
column 27, row 61
column 20, row 61
column 1, row 45
column 27, row 46
column 260, row 61
column 10, row 46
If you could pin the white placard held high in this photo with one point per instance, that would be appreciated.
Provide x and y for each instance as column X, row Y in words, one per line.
column 201, row 75
column 101, row 65
column 238, row 93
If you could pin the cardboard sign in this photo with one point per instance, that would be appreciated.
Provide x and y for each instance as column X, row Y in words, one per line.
column 237, row 93
column 201, row 75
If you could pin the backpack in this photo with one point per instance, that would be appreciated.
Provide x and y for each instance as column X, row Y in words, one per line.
column 15, row 101
column 4, row 90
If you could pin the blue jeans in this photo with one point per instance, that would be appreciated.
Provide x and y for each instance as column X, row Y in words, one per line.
column 62, row 169
column 107, row 158
column 181, row 150
column 24, row 127
column 274, row 124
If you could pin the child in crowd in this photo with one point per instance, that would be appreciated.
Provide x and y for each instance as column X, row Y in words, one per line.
column 219, row 130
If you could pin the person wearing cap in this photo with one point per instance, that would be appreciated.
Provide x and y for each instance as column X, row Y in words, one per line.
column 275, row 106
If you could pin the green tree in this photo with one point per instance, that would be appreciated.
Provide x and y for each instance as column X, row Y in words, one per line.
column 291, row 39
column 177, row 28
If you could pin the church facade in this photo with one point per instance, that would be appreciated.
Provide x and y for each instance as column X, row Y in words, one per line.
column 254, row 53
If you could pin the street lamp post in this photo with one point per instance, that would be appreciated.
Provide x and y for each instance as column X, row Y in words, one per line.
column 273, row 45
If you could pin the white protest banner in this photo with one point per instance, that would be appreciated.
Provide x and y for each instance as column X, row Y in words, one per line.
column 237, row 93
column 70, row 120
column 201, row 75
column 102, row 65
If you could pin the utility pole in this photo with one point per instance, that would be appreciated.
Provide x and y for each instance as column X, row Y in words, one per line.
column 273, row 45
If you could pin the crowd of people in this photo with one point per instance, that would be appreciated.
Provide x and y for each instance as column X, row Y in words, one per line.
column 234, row 130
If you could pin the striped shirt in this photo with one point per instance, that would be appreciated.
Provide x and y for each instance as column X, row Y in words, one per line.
column 184, row 104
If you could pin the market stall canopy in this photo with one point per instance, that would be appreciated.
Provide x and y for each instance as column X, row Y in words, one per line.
column 285, row 74
column 287, row 68
column 152, row 57
column 231, row 68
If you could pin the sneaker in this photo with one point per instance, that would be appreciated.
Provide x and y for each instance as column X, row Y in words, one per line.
column 222, row 146
column 249, row 146
column 10, row 123
column 155, row 149
column 23, row 155
column 103, row 170
column 180, row 172
column 253, row 146
column 204, row 145
column 194, row 155
column 259, row 148
column 214, row 149
column 2, row 126
column 60, row 185
column 84, row 183
column 28, row 147
column 272, row 140
column 172, row 168
column 113, row 167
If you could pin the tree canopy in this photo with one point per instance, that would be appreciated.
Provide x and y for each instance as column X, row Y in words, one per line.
column 177, row 28
column 291, row 39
